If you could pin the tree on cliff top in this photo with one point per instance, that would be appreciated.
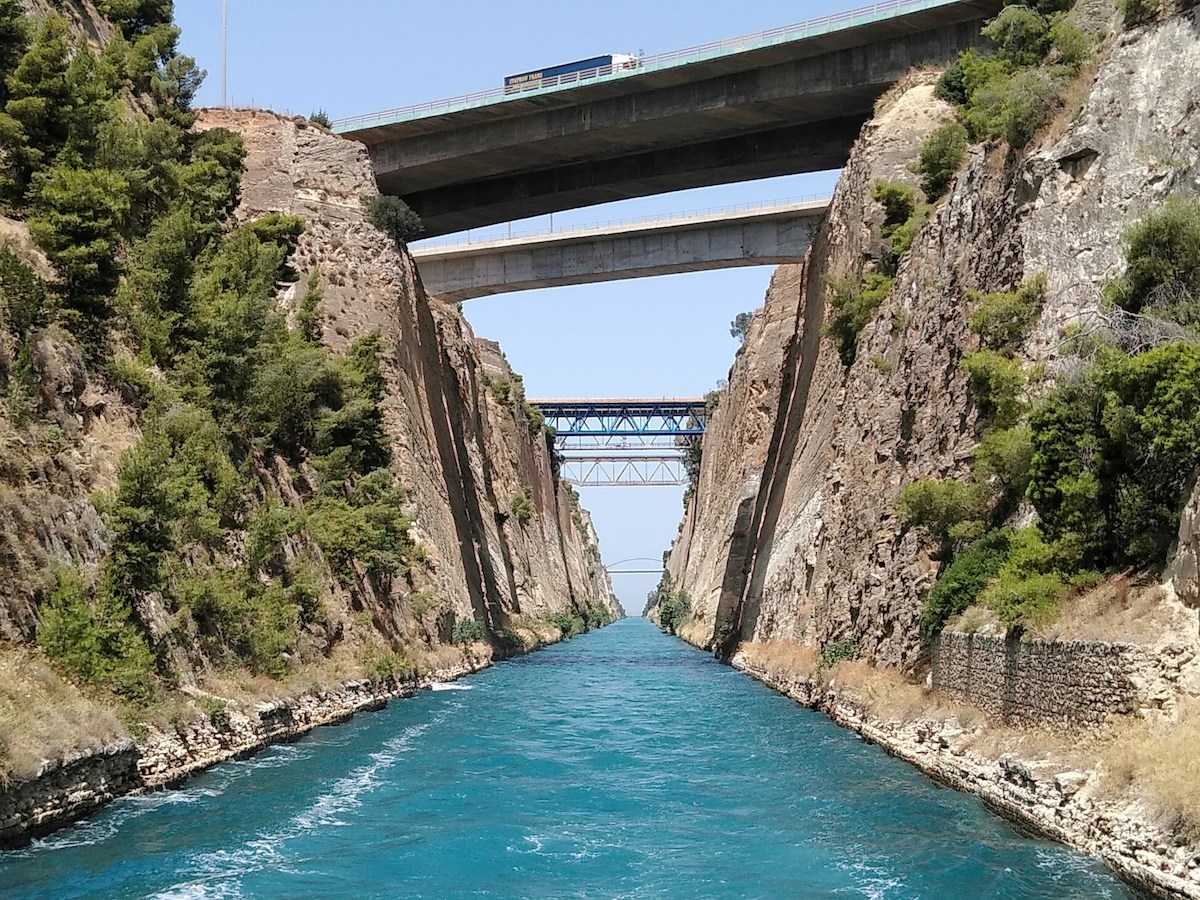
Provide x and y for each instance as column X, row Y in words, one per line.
column 740, row 326
column 393, row 217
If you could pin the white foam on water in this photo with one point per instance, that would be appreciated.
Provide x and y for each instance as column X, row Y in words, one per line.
column 873, row 880
column 444, row 686
column 219, row 871
column 116, row 816
column 276, row 757
column 201, row 892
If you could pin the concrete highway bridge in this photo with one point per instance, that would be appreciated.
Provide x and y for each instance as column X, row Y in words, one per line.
column 755, row 236
column 781, row 102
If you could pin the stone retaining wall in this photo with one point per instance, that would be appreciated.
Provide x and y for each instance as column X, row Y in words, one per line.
column 1038, row 681
column 66, row 790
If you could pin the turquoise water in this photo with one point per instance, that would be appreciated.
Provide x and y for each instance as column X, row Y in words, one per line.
column 619, row 764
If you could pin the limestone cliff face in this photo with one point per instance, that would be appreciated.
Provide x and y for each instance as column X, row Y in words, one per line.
column 792, row 534
column 463, row 456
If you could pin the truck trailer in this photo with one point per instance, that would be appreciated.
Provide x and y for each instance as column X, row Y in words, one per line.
column 568, row 73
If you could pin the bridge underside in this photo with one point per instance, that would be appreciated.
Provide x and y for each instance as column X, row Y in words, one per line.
column 784, row 109
column 470, row 271
column 748, row 157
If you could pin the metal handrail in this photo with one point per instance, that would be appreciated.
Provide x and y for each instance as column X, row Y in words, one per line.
column 823, row 25
column 452, row 243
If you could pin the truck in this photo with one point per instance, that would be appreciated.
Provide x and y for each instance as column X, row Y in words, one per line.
column 567, row 73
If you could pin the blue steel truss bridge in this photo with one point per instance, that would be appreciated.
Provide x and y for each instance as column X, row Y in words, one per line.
column 624, row 443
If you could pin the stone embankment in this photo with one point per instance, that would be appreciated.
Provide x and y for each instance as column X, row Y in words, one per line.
column 69, row 789
column 1039, row 797
column 1080, row 682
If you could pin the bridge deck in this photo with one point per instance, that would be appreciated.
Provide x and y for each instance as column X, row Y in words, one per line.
column 741, row 53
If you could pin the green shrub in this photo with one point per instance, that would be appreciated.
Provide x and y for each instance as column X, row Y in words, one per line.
column 903, row 216
column 392, row 216
column 1163, row 249
column 1031, row 600
column 1114, row 453
column 942, row 507
column 95, row 639
column 567, row 623
column 1013, row 106
column 241, row 620
column 466, row 631
column 902, row 237
column 853, row 307
column 1073, row 45
column 374, row 532
column 522, row 506
column 384, row 665
column 998, row 384
column 23, row 295
column 269, row 526
column 15, row 28
column 951, row 86
column 899, row 201
column 1004, row 456
column 308, row 315
column 1005, row 319
column 1137, row 11
column 674, row 609
column 503, row 392
column 1021, row 35
column 842, row 650
column 215, row 710
column 77, row 220
column 424, row 602
column 940, row 156
column 534, row 420
column 961, row 582
column 740, row 326
column 320, row 117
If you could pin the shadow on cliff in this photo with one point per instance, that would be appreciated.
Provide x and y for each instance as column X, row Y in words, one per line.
column 750, row 551
column 448, row 414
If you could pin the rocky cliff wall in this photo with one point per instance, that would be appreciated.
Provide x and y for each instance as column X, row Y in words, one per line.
column 463, row 455
column 806, row 542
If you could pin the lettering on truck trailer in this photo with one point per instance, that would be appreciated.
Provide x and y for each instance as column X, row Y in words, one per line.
column 569, row 73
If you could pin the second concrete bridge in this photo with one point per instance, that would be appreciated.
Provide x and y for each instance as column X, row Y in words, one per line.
column 759, row 236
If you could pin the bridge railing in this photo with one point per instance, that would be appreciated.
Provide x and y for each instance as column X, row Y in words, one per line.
column 811, row 28
column 452, row 242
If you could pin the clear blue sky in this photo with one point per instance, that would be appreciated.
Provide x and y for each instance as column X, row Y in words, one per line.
column 655, row 337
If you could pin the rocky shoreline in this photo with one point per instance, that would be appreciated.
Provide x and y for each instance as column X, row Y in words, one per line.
column 69, row 789
column 1038, row 797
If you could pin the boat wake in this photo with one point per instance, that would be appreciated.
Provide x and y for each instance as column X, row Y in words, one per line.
column 219, row 873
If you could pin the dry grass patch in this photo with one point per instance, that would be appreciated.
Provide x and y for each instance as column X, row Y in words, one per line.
column 1066, row 746
column 885, row 693
column 695, row 632
column 42, row 716
column 781, row 659
column 1121, row 609
column 1159, row 761
column 431, row 660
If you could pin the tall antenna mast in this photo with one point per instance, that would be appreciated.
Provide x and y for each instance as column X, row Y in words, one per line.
column 224, row 51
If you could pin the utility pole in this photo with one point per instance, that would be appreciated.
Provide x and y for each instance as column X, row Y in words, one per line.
column 224, row 51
